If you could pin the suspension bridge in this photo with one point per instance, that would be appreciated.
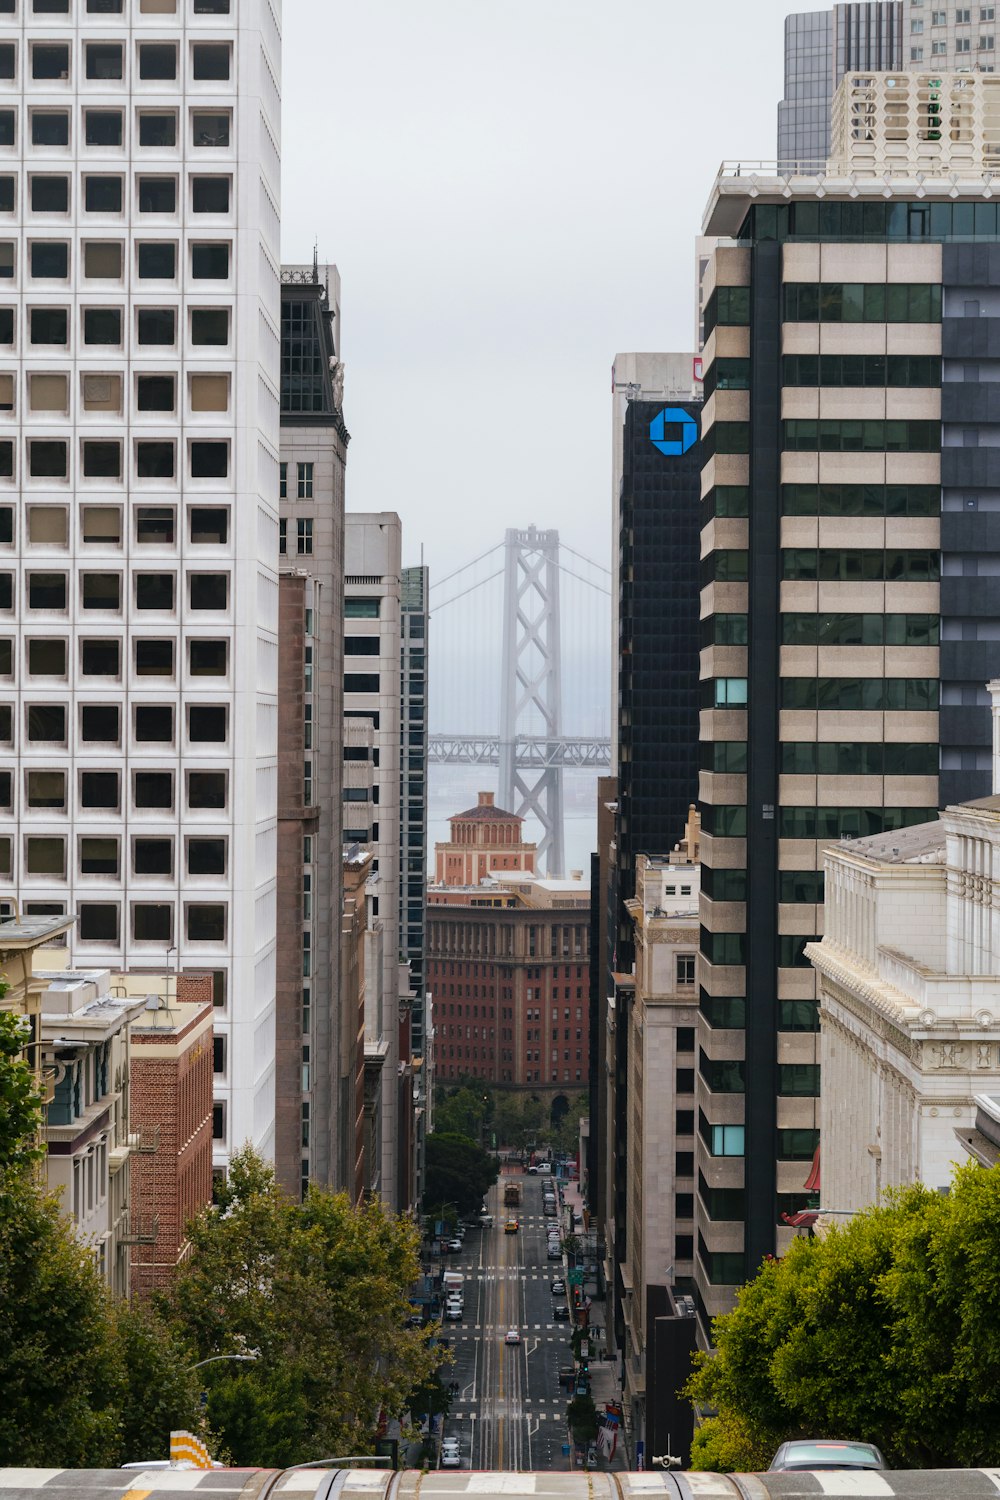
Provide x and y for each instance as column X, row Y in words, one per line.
column 522, row 640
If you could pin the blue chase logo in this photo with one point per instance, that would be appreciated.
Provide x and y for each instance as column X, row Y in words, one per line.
column 673, row 431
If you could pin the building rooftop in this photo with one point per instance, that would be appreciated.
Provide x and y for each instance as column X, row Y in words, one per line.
column 485, row 810
column 923, row 843
column 28, row 932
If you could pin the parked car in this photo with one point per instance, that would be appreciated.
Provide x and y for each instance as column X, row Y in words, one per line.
column 560, row 1312
column 532, row 1171
column 545, row 1166
column 486, row 1220
column 451, row 1453
column 558, row 1287
column 567, row 1376
column 554, row 1252
column 819, row 1453
column 454, row 1309
column 453, row 1246
column 512, row 1336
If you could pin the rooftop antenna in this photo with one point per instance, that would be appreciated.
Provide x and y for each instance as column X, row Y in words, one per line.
column 316, row 261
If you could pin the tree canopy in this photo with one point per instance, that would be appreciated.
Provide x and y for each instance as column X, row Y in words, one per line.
column 885, row 1330
column 458, row 1172
column 20, row 1103
column 319, row 1292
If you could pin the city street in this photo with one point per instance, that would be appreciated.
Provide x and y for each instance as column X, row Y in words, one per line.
column 509, row 1412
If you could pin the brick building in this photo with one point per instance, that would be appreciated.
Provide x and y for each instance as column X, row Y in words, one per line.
column 173, row 1054
column 508, row 966
column 484, row 841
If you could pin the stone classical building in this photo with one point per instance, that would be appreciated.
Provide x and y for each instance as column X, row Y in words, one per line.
column 657, row 1157
column 485, row 840
column 908, row 973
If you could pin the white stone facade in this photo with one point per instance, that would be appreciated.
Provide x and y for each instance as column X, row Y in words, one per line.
column 904, row 123
column 910, row 1002
column 140, row 348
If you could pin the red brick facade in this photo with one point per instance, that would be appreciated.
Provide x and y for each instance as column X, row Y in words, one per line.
column 485, row 841
column 171, row 1112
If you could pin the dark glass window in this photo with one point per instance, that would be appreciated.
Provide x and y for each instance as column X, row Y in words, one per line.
column 50, row 195
column 209, row 325
column 206, row 789
column 157, row 261
column 104, row 127
column 154, row 525
column 152, row 923
column 97, row 921
column 102, row 460
column 209, row 262
column 50, row 259
column 206, row 856
column 99, row 722
column 154, row 591
column 153, row 857
column 207, row 658
column 49, row 60
column 99, row 856
column 209, row 460
column 8, row 60
column 210, row 195
column 102, row 325
column 207, row 723
column 47, row 459
column 100, row 788
column 8, row 127
column 157, row 129
column 154, row 658
column 210, row 61
column 7, row 195
column 157, row 60
column 157, row 195
column 102, row 591
column 103, row 60
column 155, row 393
column 154, row 723
column 154, row 460
column 103, row 195
column 209, row 525
column 209, row 590
column 49, row 128
column 156, row 325
column 47, row 722
column 210, row 128
column 154, row 789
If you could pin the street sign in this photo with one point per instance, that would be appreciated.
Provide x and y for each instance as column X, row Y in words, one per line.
column 640, row 1454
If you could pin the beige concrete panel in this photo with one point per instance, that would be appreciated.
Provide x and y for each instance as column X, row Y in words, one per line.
column 796, row 984
column 724, row 661
column 729, row 531
column 724, row 1237
column 912, row 661
column 800, row 263
column 914, row 404
column 732, row 406
column 800, row 338
column 797, row 791
column 913, row 338
column 850, row 661
column 731, row 468
column 852, row 338
column 852, row 531
column 914, row 263
column 725, row 916
column 796, row 724
column 912, row 598
column 797, row 661
column 708, row 475
column 849, row 402
column 732, row 342
column 911, row 791
column 799, row 401
column 852, row 468
column 798, row 917
column 911, row 729
column 798, row 1114
column 722, row 724
column 836, row 726
column 723, row 1171
column 837, row 597
column 732, row 266
column 728, row 787
column 799, row 531
column 710, row 352
column 799, row 468
column 913, row 531
column 798, row 596
column 791, row 1176
column 913, row 468
column 848, row 791
column 798, row 854
column 709, row 415
column 910, row 726
column 798, row 1047
column 727, row 854
column 846, row 262
column 724, row 598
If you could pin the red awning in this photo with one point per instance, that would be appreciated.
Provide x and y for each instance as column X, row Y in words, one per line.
column 811, row 1183
column 804, row 1219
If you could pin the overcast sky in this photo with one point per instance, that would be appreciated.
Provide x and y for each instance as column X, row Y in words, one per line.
column 511, row 192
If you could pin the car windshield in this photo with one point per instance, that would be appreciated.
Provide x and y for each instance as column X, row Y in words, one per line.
column 806, row 1455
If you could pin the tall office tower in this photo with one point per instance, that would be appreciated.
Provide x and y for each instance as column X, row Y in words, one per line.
column 372, row 700
column 820, row 47
column 414, row 620
column 139, row 331
column 315, row 1096
column 852, row 562
column 950, row 37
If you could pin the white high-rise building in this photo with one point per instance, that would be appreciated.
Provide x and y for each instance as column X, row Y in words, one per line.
column 139, row 354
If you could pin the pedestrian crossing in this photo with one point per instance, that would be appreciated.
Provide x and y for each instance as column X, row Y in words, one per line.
column 469, row 1330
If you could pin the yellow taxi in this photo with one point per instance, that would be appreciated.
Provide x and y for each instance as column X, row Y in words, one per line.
column 511, row 1226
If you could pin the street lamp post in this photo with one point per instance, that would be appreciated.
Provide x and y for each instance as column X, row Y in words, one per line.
column 243, row 1358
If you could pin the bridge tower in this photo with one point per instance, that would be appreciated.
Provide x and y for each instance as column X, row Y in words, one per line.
column 531, row 685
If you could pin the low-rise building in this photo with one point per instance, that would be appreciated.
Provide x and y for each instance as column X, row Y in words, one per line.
column 174, row 1057
column 485, row 840
column 909, row 1011
column 85, row 1042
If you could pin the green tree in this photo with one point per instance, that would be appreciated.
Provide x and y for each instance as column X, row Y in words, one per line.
column 463, row 1111
column 319, row 1291
column 20, row 1103
column 458, row 1172
column 887, row 1329
column 160, row 1390
column 581, row 1416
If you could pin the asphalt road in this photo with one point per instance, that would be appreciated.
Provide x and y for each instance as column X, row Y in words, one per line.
column 509, row 1412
